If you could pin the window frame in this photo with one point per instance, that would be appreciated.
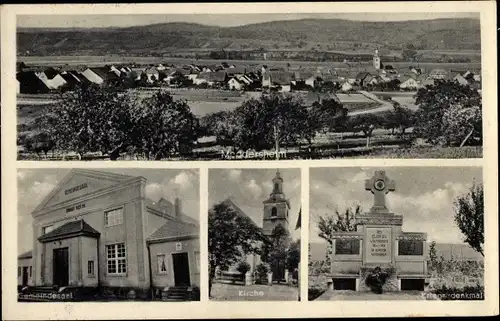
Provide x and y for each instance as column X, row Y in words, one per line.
column 158, row 266
column 351, row 241
column 107, row 221
column 116, row 259
column 413, row 242
column 274, row 211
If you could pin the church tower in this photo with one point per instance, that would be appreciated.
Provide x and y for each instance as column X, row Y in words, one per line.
column 276, row 207
column 376, row 60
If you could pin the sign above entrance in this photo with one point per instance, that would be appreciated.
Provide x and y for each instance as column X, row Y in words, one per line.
column 75, row 189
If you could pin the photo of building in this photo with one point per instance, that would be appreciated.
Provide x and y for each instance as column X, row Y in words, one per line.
column 261, row 261
column 99, row 235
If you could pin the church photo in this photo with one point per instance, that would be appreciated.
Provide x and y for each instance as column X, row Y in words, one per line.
column 254, row 223
column 397, row 233
column 108, row 235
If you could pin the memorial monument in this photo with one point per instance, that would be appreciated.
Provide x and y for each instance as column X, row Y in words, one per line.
column 378, row 254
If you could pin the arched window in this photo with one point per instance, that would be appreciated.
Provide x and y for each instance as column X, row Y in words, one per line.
column 274, row 211
column 276, row 187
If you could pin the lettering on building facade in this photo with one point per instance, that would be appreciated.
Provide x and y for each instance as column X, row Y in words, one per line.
column 75, row 189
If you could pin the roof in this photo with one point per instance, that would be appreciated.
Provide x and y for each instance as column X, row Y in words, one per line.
column 229, row 202
column 68, row 230
column 174, row 229
column 236, row 70
column 362, row 75
column 215, row 76
column 166, row 207
column 303, row 75
column 26, row 255
column 438, row 71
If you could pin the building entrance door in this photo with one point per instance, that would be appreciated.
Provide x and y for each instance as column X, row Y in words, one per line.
column 181, row 269
column 61, row 267
column 25, row 275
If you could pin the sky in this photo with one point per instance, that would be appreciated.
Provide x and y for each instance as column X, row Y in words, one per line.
column 248, row 188
column 423, row 195
column 35, row 184
column 223, row 20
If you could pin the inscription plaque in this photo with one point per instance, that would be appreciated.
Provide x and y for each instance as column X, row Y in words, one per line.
column 378, row 247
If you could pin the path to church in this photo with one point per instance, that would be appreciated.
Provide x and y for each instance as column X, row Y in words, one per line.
column 229, row 292
column 368, row 296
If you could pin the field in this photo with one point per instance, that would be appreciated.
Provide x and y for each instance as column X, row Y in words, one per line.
column 102, row 60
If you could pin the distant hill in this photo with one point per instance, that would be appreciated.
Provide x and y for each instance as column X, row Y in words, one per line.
column 318, row 250
column 307, row 34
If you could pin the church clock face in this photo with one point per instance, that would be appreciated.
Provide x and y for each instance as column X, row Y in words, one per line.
column 379, row 185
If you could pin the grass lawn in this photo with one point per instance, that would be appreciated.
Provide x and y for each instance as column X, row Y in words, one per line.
column 368, row 296
column 255, row 292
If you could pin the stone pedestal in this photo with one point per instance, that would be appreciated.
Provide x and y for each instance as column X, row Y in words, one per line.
column 270, row 278
column 330, row 285
column 287, row 276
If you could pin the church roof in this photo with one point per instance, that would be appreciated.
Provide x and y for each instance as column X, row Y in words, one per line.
column 229, row 202
column 68, row 230
column 174, row 229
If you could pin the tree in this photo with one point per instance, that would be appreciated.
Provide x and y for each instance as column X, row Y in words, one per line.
column 447, row 113
column 366, row 123
column 230, row 236
column 166, row 127
column 469, row 216
column 400, row 118
column 274, row 116
column 274, row 252
column 433, row 256
column 330, row 224
column 328, row 115
column 91, row 119
column 293, row 255
column 222, row 124
column 345, row 222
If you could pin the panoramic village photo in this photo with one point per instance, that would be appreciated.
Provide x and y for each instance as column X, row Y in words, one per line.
column 108, row 235
column 396, row 233
column 249, row 86
column 254, row 234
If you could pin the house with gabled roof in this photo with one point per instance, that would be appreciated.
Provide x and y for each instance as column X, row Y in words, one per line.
column 438, row 73
column 97, row 229
column 30, row 83
column 461, row 80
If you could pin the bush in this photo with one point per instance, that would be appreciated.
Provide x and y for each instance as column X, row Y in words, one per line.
column 243, row 267
column 261, row 271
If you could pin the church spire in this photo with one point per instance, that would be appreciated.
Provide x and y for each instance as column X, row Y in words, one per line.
column 277, row 186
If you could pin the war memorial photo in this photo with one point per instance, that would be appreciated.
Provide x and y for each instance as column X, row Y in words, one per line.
column 108, row 235
column 254, row 234
column 396, row 234
column 249, row 86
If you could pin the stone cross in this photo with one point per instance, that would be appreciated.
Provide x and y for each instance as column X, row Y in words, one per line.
column 379, row 185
